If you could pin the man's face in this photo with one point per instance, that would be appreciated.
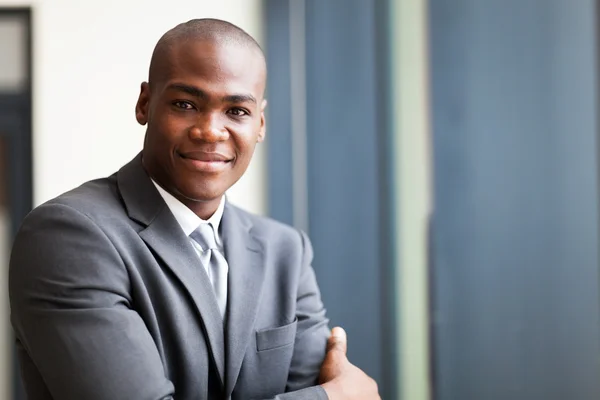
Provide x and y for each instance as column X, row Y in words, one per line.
column 204, row 119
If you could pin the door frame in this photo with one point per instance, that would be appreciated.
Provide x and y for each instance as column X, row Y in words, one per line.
column 16, row 126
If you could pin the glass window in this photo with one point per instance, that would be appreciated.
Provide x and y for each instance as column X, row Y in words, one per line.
column 13, row 39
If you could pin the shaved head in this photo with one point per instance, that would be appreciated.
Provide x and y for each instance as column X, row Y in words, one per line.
column 216, row 31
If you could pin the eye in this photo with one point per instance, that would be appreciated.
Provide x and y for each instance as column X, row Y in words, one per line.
column 184, row 105
column 238, row 112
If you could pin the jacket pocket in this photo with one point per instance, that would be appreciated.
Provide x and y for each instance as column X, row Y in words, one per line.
column 273, row 338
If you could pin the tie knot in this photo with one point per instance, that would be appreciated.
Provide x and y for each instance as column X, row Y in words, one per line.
column 204, row 235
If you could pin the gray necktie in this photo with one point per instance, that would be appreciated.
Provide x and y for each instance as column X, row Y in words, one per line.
column 217, row 266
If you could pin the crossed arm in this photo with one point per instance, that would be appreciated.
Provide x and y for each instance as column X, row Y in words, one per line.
column 79, row 337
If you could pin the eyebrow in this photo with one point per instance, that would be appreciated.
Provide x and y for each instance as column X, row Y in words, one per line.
column 240, row 98
column 199, row 93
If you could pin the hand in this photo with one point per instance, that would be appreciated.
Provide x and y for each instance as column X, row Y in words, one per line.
column 340, row 379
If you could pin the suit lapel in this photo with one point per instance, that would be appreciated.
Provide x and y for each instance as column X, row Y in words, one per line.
column 164, row 235
column 244, row 253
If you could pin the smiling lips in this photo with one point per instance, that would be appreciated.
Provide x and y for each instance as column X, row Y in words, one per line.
column 205, row 162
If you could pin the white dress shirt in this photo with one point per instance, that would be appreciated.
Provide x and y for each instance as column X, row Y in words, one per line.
column 189, row 222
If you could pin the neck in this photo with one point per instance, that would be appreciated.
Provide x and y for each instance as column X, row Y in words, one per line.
column 203, row 209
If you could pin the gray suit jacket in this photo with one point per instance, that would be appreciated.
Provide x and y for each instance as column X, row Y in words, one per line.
column 109, row 301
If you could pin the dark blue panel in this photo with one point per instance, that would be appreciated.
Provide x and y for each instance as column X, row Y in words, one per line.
column 348, row 160
column 278, row 114
column 343, row 179
column 516, row 222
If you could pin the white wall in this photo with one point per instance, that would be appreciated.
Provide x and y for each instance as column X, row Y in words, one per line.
column 89, row 60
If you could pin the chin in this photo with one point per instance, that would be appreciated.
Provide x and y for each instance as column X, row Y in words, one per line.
column 202, row 195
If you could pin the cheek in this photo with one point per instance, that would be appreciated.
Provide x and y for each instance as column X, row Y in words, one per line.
column 170, row 131
column 245, row 148
column 175, row 125
column 159, row 142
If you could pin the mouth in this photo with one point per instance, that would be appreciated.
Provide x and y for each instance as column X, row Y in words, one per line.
column 205, row 162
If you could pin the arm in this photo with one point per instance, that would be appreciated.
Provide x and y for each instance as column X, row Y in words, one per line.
column 71, row 312
column 338, row 378
column 312, row 331
column 311, row 335
column 319, row 356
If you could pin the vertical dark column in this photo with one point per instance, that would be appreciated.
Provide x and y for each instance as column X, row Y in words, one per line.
column 348, row 176
column 343, row 170
column 16, row 134
column 516, row 300
column 279, row 112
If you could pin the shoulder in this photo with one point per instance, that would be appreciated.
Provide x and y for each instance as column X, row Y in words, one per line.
column 97, row 200
column 275, row 232
column 66, row 228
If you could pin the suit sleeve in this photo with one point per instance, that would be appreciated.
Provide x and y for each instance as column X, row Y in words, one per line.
column 313, row 330
column 71, row 312
column 311, row 337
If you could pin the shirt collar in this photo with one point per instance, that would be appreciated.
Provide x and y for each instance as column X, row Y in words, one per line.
column 186, row 218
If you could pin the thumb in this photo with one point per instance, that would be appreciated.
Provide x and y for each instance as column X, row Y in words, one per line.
column 338, row 341
column 335, row 359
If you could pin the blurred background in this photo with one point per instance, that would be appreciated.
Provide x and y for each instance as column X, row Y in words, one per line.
column 442, row 156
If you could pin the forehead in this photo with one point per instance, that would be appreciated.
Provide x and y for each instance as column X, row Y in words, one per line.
column 219, row 67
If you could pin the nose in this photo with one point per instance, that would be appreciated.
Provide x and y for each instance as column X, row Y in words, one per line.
column 210, row 128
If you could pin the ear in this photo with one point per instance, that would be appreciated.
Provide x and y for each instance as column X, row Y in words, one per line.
column 262, row 132
column 143, row 104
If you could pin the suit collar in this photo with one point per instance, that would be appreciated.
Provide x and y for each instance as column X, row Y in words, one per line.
column 244, row 251
column 142, row 201
column 165, row 237
column 186, row 218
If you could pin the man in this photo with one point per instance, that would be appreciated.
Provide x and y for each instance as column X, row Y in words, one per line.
column 149, row 284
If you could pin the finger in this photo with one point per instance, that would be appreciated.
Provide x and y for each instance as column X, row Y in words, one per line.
column 338, row 340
